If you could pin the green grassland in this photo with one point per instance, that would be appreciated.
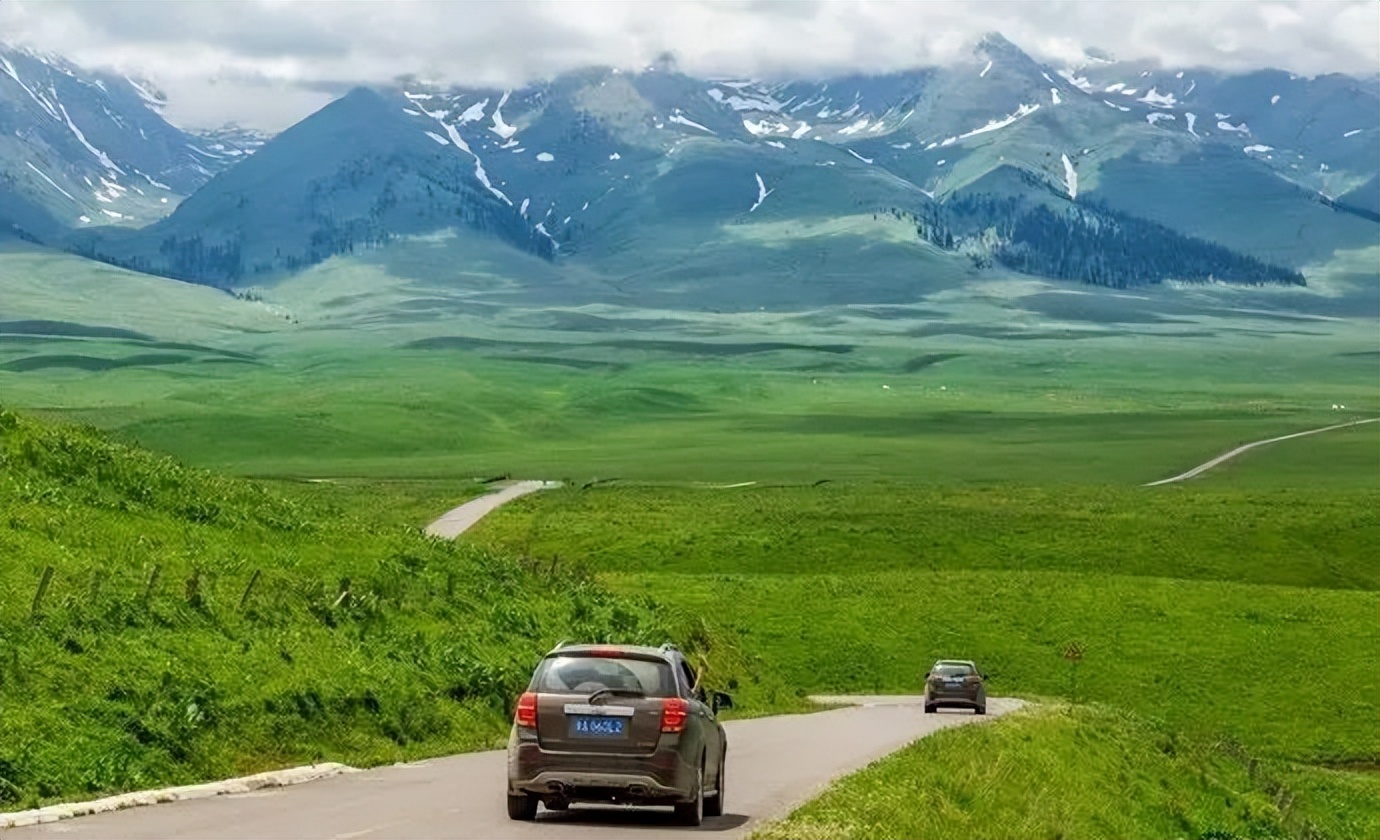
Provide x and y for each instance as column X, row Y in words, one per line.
column 366, row 368
column 1195, row 606
column 1061, row 771
column 956, row 471
column 196, row 627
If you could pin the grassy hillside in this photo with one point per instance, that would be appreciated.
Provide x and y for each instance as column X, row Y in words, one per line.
column 1202, row 611
column 195, row 626
column 1086, row 772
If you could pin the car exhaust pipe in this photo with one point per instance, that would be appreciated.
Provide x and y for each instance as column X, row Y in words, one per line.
column 637, row 790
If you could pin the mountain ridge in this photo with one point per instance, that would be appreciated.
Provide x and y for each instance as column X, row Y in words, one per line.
column 610, row 172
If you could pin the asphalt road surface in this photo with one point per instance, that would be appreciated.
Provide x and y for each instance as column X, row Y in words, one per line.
column 774, row 764
column 459, row 520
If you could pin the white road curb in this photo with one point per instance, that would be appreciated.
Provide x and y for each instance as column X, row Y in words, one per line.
column 244, row 784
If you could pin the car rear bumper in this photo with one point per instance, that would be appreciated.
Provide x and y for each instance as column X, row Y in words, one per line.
column 660, row 777
column 967, row 701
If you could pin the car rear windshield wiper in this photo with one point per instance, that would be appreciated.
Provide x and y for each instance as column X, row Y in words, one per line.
column 618, row 692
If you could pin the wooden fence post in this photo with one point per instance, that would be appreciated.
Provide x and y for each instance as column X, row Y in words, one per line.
column 152, row 582
column 248, row 588
column 43, row 582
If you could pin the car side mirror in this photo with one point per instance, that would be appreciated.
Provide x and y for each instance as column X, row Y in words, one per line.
column 722, row 701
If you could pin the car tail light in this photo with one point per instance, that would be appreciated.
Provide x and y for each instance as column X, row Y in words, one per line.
column 673, row 713
column 526, row 714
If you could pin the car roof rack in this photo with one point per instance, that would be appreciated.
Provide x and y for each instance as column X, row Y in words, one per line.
column 668, row 647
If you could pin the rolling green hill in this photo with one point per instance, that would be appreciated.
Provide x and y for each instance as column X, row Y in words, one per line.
column 166, row 625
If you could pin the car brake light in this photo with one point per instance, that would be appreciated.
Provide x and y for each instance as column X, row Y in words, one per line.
column 673, row 714
column 526, row 714
column 606, row 653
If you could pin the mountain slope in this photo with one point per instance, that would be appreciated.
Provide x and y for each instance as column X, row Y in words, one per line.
column 91, row 148
column 352, row 175
column 671, row 188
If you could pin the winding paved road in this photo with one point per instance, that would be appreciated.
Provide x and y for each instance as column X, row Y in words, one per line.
column 459, row 520
column 774, row 764
column 1227, row 456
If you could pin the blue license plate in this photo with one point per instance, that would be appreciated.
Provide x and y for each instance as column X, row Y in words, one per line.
column 597, row 727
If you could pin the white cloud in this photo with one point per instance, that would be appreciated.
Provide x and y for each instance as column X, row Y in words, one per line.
column 314, row 47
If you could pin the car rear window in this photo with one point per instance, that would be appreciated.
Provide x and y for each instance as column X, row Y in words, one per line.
column 585, row 674
column 950, row 669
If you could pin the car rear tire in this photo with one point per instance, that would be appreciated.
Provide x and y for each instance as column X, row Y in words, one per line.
column 714, row 805
column 522, row 806
column 929, row 710
column 692, row 812
column 980, row 710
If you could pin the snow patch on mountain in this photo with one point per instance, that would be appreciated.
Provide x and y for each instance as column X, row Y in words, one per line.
column 615, row 156
column 677, row 118
column 43, row 103
column 1114, row 105
column 859, row 157
column 100, row 155
column 984, row 70
column 1020, row 113
column 45, row 177
column 438, row 138
column 855, row 127
column 742, row 103
column 1070, row 177
column 774, row 144
column 523, row 209
column 763, row 128
column 112, row 214
column 501, row 128
column 152, row 182
column 1353, row 132
column 1239, row 129
column 1077, row 81
column 479, row 172
column 801, row 131
column 901, row 146
column 474, row 113
column 1156, row 99
column 1274, row 100
column 1114, row 88
column 1192, row 118
column 1155, row 117
column 545, row 157
column 1258, row 148
column 1054, row 96
column 762, row 192
column 152, row 101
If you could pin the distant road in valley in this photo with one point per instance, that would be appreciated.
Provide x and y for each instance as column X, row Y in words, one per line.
column 459, row 520
column 1227, row 456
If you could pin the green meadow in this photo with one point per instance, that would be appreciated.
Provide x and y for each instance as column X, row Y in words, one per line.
column 816, row 501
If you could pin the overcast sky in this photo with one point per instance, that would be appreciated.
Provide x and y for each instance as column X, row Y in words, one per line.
column 268, row 63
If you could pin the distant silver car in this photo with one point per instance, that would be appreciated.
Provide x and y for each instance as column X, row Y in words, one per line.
column 956, row 683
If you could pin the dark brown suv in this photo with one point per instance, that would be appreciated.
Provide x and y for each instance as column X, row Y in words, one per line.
column 617, row 724
column 956, row 682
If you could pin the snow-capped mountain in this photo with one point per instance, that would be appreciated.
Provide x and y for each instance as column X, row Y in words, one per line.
column 653, row 175
column 79, row 148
